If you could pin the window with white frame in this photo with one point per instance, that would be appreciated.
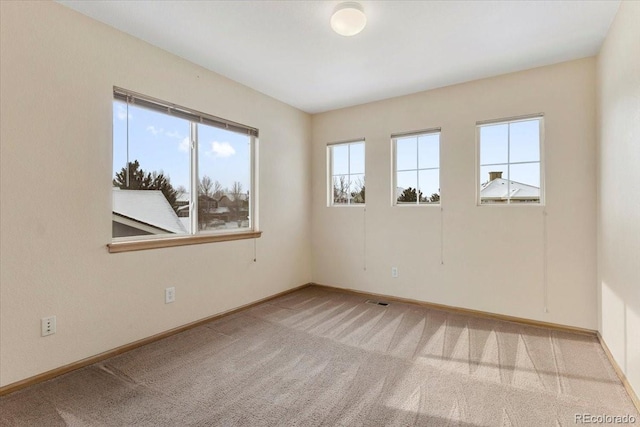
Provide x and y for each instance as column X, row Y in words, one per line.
column 179, row 172
column 510, row 167
column 416, row 168
column 346, row 173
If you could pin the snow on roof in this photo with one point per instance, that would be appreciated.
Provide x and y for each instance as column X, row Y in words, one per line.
column 230, row 196
column 498, row 188
column 186, row 222
column 148, row 207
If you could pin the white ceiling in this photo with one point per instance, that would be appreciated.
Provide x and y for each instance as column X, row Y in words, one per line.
column 286, row 49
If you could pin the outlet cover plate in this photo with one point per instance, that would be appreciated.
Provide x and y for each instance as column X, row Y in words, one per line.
column 169, row 295
column 48, row 325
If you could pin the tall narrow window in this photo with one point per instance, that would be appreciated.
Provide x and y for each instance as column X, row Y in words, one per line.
column 346, row 173
column 510, row 161
column 177, row 171
column 416, row 167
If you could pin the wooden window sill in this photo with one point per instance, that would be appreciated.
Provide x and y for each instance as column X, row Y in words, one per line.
column 139, row 245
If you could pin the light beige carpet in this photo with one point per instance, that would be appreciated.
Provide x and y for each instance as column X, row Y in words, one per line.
column 317, row 357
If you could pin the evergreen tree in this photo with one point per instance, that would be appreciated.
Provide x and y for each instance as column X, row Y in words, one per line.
column 138, row 179
column 410, row 195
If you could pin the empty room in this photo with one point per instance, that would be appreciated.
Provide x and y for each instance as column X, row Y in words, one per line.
column 278, row 213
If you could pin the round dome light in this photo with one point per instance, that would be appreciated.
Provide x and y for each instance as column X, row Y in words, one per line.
column 348, row 19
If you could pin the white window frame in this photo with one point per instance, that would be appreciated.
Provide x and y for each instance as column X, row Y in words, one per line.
column 394, row 165
column 330, row 146
column 479, row 166
column 195, row 236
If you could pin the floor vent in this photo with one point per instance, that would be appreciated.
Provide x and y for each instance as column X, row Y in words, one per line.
column 384, row 304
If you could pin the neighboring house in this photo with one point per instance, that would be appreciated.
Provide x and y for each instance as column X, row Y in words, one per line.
column 182, row 201
column 228, row 199
column 214, row 212
column 207, row 204
column 143, row 212
column 236, row 209
column 210, row 215
column 497, row 189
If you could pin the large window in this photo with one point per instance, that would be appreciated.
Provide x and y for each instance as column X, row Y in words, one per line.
column 178, row 172
column 510, row 168
column 346, row 173
column 416, row 168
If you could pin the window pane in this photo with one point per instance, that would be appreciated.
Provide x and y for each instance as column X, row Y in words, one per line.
column 340, row 159
column 356, row 157
column 525, row 141
column 151, row 172
column 429, row 151
column 341, row 189
column 347, row 173
column 406, row 187
column 525, row 183
column 406, row 151
column 494, row 144
column 357, row 189
column 224, row 179
column 494, row 187
column 429, row 185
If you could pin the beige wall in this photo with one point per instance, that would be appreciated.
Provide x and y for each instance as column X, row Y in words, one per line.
column 57, row 73
column 56, row 77
column 619, row 190
column 493, row 256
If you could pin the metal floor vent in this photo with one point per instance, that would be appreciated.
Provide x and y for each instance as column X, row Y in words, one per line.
column 384, row 304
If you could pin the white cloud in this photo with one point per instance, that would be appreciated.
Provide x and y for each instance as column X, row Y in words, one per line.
column 173, row 134
column 222, row 149
column 184, row 145
column 122, row 113
column 154, row 130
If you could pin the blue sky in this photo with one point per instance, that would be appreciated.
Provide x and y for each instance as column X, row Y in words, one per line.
column 161, row 142
column 348, row 159
column 417, row 157
column 516, row 142
column 417, row 163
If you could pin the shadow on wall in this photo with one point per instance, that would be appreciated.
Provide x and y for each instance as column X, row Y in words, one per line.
column 619, row 315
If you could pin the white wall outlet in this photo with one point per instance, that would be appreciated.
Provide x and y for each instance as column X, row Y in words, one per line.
column 169, row 295
column 394, row 272
column 48, row 325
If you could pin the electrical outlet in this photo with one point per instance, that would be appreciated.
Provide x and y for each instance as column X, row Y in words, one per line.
column 48, row 325
column 394, row 272
column 169, row 295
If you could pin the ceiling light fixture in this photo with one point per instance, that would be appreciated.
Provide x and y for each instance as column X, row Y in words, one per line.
column 348, row 19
